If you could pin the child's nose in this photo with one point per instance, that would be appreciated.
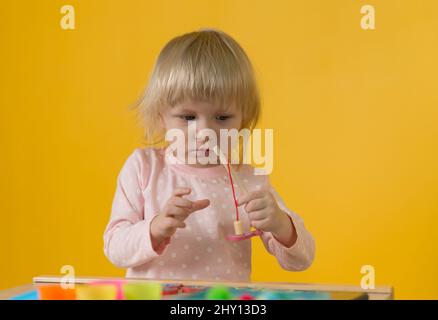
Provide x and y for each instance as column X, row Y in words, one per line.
column 202, row 124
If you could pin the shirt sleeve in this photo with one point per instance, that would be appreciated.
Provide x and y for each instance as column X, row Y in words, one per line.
column 127, row 241
column 301, row 254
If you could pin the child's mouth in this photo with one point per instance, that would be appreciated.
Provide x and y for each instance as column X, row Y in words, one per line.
column 203, row 152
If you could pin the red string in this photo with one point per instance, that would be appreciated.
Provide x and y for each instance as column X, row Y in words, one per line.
column 234, row 193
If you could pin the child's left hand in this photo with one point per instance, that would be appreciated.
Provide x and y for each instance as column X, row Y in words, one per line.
column 265, row 214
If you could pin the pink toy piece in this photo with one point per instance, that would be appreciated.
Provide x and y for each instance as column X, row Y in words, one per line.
column 170, row 290
column 245, row 236
column 193, row 289
column 246, row 296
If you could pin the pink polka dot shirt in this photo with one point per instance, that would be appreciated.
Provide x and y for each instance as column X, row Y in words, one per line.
column 201, row 250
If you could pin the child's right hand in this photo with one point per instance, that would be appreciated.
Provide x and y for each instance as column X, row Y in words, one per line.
column 176, row 210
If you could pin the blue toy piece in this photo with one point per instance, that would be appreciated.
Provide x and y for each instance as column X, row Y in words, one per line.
column 272, row 295
column 293, row 295
column 31, row 295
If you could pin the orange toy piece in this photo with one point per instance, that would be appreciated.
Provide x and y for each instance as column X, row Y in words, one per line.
column 55, row 292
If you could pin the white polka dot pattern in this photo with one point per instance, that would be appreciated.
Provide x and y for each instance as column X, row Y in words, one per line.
column 198, row 251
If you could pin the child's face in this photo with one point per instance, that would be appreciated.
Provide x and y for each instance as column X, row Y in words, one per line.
column 206, row 115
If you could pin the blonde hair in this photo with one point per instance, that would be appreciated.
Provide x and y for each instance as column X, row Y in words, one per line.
column 205, row 65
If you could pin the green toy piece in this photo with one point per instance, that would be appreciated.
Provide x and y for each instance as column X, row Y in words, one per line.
column 219, row 292
column 142, row 291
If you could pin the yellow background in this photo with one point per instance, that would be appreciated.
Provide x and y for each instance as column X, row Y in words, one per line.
column 354, row 114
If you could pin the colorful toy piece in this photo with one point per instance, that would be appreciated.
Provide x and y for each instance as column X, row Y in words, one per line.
column 117, row 283
column 219, row 292
column 55, row 292
column 192, row 289
column 246, row 296
column 244, row 236
column 107, row 290
column 171, row 289
column 142, row 291
column 31, row 295
column 96, row 292
column 272, row 295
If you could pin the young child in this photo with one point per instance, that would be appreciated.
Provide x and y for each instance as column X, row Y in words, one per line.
column 170, row 220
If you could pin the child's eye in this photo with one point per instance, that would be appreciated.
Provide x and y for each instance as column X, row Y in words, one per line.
column 223, row 118
column 187, row 117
